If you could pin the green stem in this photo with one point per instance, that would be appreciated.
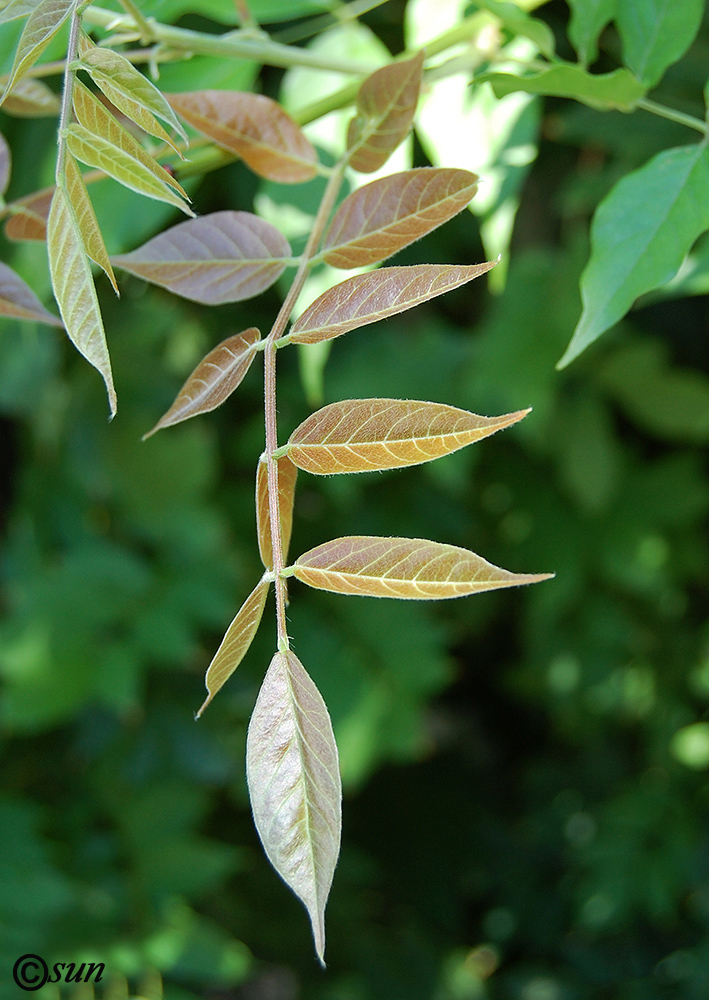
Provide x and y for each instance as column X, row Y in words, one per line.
column 67, row 92
column 674, row 116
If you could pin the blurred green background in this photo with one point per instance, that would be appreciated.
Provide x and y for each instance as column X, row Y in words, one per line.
column 526, row 794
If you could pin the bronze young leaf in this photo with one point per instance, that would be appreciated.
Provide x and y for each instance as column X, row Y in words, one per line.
column 31, row 99
column 406, row 568
column 360, row 435
column 18, row 301
column 377, row 220
column 28, row 216
column 5, row 165
column 287, row 475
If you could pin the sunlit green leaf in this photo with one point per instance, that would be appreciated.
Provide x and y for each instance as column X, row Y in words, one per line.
column 619, row 89
column 43, row 23
column 656, row 33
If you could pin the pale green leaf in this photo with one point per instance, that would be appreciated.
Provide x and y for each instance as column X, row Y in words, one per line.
column 293, row 775
column 31, row 98
column 588, row 19
column 16, row 9
column 618, row 90
column 640, row 234
column 74, row 288
column 42, row 25
column 86, row 219
column 656, row 33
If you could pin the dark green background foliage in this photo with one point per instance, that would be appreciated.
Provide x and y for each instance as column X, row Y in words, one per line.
column 521, row 821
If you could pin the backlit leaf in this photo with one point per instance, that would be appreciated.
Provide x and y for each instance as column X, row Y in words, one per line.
column 385, row 110
column 237, row 639
column 407, row 568
column 640, row 234
column 380, row 218
column 222, row 257
column 213, row 380
column 255, row 128
column 617, row 90
column 86, row 219
column 287, row 475
column 19, row 301
column 5, row 165
column 367, row 298
column 656, row 34
column 31, row 99
column 131, row 92
column 74, row 289
column 111, row 148
column 293, row 776
column 42, row 25
column 358, row 435
column 28, row 218
column 16, row 9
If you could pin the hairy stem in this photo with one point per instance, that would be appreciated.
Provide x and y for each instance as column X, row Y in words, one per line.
column 67, row 92
column 269, row 367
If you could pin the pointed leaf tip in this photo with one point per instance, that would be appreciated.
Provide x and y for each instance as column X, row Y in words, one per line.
column 293, row 775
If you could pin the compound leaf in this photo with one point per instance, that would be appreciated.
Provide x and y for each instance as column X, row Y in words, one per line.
column 42, row 25
column 28, row 218
column 367, row 298
column 31, row 99
column 406, row 568
column 5, row 165
column 385, row 110
column 213, row 380
column 19, row 301
column 287, row 475
column 293, row 775
column 222, row 257
column 359, row 435
column 255, row 128
column 640, row 234
column 86, row 219
column 380, row 218
column 237, row 639
column 618, row 90
column 74, row 288
column 16, row 9
column 655, row 34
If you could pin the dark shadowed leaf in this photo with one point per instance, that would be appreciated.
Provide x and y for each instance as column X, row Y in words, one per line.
column 19, row 301
column 237, row 639
column 360, row 435
column 407, row 568
column 287, row 475
column 222, row 257
column 43, row 23
column 5, row 165
column 367, row 298
column 293, row 775
column 74, row 289
column 255, row 128
column 380, row 218
column 31, row 99
column 213, row 380
column 385, row 110
column 86, row 219
column 28, row 218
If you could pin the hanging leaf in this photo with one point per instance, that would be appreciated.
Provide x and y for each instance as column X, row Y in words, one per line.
column 237, row 639
column 31, row 99
column 18, row 301
column 385, row 110
column 42, row 25
column 5, row 165
column 130, row 91
column 293, row 776
column 255, row 128
column 380, row 218
column 28, row 219
column 359, row 435
column 213, row 380
column 287, row 475
column 407, row 568
column 86, row 219
column 74, row 289
column 107, row 145
column 222, row 257
column 368, row 298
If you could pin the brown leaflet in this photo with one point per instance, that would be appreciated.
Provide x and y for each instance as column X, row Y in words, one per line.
column 368, row 298
column 287, row 474
column 86, row 219
column 406, row 568
column 28, row 220
column 255, row 128
column 42, row 25
column 377, row 220
column 5, row 165
column 222, row 257
column 361, row 435
column 213, row 380
column 18, row 301
column 31, row 99
column 293, row 774
column 385, row 110
column 237, row 639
